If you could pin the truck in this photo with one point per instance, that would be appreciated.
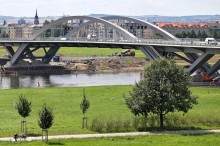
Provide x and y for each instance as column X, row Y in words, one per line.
column 128, row 52
column 63, row 39
column 92, row 37
column 210, row 41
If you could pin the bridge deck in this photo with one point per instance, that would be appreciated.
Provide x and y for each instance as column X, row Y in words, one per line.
column 167, row 46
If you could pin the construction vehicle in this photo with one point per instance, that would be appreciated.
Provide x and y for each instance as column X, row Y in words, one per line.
column 128, row 52
column 205, row 77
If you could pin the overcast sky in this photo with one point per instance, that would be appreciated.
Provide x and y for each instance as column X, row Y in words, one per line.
column 20, row 8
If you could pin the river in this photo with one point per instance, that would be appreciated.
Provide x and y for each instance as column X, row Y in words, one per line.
column 68, row 80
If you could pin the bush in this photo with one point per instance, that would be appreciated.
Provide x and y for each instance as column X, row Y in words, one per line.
column 97, row 125
column 136, row 122
column 109, row 125
column 153, row 121
column 118, row 125
column 127, row 124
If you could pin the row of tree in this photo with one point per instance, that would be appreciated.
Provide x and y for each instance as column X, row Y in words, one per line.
column 45, row 120
column 3, row 34
column 56, row 31
column 46, row 115
column 192, row 34
column 199, row 34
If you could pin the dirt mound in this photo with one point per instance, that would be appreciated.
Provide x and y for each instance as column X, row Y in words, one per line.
column 111, row 64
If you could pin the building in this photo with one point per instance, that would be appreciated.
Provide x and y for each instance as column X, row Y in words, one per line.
column 21, row 21
column 178, row 27
column 136, row 29
column 36, row 19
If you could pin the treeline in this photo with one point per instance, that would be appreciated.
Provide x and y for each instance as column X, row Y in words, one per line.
column 199, row 34
column 56, row 31
column 3, row 34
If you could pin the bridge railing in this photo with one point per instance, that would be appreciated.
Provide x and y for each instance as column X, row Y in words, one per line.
column 187, row 42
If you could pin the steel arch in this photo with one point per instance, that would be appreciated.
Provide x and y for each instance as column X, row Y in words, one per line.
column 126, row 34
column 157, row 29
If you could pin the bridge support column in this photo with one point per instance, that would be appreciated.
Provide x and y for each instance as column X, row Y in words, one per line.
column 183, row 58
column 18, row 55
column 30, row 54
column 150, row 52
column 214, row 68
column 199, row 62
column 10, row 50
column 50, row 54
column 192, row 56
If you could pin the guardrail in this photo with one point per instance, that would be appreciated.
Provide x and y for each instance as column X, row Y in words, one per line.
column 139, row 41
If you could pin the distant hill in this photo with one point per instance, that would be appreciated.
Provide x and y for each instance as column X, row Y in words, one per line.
column 193, row 18
column 157, row 18
column 149, row 18
column 6, row 17
column 100, row 15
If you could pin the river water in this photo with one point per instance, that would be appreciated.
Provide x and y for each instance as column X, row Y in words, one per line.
column 30, row 81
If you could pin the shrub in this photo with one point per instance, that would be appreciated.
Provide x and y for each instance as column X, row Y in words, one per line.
column 136, row 122
column 109, row 125
column 97, row 125
column 127, row 124
column 118, row 125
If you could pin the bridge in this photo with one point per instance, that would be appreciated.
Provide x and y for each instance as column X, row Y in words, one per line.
column 113, row 36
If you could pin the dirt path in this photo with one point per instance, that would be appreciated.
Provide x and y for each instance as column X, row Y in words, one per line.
column 182, row 132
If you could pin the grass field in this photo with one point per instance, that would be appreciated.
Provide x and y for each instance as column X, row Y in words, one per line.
column 81, row 52
column 153, row 140
column 107, row 103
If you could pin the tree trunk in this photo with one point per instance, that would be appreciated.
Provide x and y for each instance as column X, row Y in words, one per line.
column 45, row 135
column 84, row 122
column 161, row 120
column 145, row 123
column 23, row 127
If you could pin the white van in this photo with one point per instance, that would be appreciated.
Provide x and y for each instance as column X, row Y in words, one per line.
column 91, row 37
column 210, row 41
column 63, row 39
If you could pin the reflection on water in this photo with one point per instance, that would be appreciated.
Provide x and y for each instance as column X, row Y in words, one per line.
column 30, row 81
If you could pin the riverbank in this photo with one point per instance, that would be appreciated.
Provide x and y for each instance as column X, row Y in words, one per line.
column 105, row 64
column 68, row 65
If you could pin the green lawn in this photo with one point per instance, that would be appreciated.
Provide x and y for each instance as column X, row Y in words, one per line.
column 107, row 104
column 152, row 140
column 81, row 52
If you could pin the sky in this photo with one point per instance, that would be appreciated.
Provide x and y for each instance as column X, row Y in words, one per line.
column 27, row 8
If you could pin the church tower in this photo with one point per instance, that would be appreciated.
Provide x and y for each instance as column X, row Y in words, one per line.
column 36, row 20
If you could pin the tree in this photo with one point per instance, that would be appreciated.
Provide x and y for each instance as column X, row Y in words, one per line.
column 84, row 105
column 199, row 35
column 184, row 35
column 188, row 34
column 178, row 35
column 204, row 35
column 163, row 90
column 24, row 108
column 4, row 35
column 46, row 22
column 138, row 103
column 215, row 35
column 45, row 120
column 193, row 34
column 47, row 33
